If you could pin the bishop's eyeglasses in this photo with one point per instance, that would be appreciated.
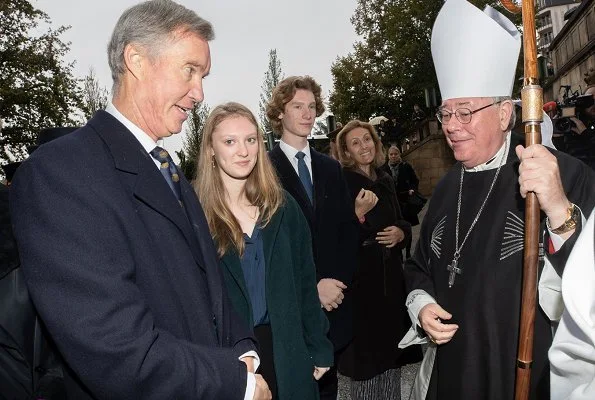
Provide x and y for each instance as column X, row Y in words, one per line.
column 463, row 114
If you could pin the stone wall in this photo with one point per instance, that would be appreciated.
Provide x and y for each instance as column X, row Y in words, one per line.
column 431, row 159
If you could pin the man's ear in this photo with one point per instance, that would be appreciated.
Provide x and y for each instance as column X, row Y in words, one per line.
column 134, row 60
column 280, row 116
column 505, row 113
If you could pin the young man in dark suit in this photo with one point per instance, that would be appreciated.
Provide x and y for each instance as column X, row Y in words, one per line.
column 114, row 245
column 316, row 181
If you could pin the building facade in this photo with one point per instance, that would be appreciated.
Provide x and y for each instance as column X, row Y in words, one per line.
column 549, row 21
column 572, row 52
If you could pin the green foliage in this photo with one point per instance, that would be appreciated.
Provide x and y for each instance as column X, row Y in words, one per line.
column 193, row 138
column 37, row 88
column 272, row 77
column 388, row 70
column 94, row 96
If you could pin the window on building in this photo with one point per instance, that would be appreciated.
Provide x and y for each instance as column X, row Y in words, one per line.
column 547, row 38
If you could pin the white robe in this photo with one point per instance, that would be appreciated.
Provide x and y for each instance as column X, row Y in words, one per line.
column 572, row 354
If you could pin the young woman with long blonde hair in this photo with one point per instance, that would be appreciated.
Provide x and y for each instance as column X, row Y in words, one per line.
column 264, row 243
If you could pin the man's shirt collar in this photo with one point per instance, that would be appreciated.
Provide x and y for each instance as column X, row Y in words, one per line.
column 140, row 135
column 290, row 151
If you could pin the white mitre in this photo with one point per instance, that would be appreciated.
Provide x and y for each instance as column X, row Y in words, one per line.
column 475, row 53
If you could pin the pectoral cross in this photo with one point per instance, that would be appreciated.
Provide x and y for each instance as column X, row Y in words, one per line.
column 454, row 270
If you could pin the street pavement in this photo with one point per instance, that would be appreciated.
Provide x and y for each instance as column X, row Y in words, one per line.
column 408, row 372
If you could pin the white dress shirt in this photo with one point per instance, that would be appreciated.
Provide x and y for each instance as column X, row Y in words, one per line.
column 290, row 153
column 140, row 135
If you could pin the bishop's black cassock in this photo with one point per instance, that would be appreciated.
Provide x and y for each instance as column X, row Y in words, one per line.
column 480, row 361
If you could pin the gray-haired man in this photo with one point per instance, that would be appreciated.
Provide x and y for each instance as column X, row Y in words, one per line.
column 115, row 247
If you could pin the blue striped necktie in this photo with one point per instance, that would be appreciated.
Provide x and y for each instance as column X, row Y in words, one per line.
column 304, row 175
column 169, row 171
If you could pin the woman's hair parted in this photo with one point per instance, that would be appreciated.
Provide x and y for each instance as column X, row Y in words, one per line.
column 262, row 188
column 345, row 160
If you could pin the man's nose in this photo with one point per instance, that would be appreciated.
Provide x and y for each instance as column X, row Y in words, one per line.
column 452, row 125
column 196, row 92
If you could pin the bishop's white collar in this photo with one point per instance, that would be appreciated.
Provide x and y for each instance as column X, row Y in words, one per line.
column 494, row 162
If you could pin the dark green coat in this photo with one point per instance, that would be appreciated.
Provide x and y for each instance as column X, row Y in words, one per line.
column 298, row 323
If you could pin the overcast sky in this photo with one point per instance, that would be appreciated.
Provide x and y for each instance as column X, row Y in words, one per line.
column 308, row 36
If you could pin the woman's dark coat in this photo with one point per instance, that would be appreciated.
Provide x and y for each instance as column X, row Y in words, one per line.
column 298, row 324
column 380, row 317
column 406, row 180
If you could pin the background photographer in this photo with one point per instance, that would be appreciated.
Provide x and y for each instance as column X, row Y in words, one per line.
column 574, row 125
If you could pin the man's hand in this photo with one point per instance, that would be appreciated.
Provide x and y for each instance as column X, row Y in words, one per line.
column 262, row 391
column 539, row 173
column 319, row 371
column 390, row 236
column 330, row 293
column 578, row 127
column 364, row 202
column 430, row 319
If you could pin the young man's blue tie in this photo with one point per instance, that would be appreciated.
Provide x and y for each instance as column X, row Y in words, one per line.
column 304, row 175
column 168, row 170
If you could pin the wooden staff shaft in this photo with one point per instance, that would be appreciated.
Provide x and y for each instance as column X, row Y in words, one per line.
column 529, row 41
column 532, row 103
column 528, row 298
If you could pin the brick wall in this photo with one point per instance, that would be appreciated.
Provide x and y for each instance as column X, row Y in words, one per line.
column 431, row 159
